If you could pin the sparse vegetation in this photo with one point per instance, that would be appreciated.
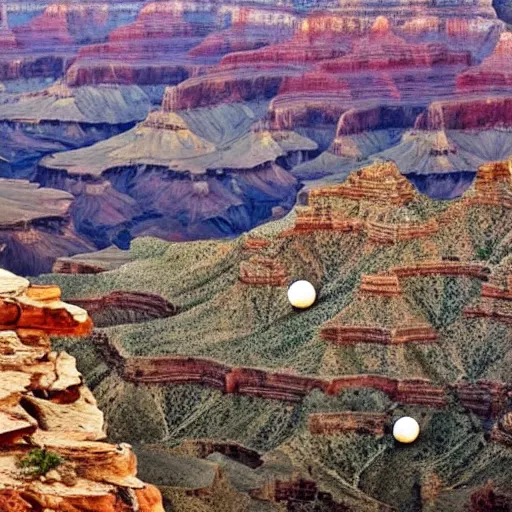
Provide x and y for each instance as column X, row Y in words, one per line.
column 39, row 461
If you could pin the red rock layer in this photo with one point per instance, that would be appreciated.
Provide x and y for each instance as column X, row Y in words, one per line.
column 499, row 311
column 260, row 271
column 442, row 268
column 380, row 183
column 44, row 404
column 257, row 382
column 485, row 398
column 467, row 114
column 494, row 75
column 494, row 292
column 147, row 304
column 353, row 334
column 492, row 186
column 255, row 245
column 48, row 28
column 310, row 219
column 222, row 87
column 359, row 120
column 380, row 284
column 148, row 51
column 386, row 233
column 339, row 422
column 71, row 267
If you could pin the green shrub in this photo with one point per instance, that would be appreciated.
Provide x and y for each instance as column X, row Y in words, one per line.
column 39, row 461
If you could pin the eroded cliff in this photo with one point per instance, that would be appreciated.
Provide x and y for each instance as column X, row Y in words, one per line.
column 47, row 412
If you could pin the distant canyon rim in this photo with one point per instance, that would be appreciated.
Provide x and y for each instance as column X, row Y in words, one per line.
column 197, row 120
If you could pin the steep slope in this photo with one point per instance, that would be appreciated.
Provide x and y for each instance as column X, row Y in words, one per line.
column 35, row 227
column 179, row 176
column 402, row 326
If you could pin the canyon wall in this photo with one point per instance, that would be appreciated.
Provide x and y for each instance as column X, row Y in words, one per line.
column 484, row 398
column 45, row 406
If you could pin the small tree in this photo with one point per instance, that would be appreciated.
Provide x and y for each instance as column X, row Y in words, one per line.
column 39, row 461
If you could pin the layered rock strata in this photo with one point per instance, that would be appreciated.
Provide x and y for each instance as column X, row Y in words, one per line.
column 35, row 227
column 378, row 294
column 261, row 271
column 337, row 423
column 45, row 405
column 124, row 307
column 484, row 398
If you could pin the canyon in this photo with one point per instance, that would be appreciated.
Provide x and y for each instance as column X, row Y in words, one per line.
column 176, row 166
column 398, row 329
column 141, row 110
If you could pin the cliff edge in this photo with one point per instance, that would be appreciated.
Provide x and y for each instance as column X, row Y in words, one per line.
column 52, row 457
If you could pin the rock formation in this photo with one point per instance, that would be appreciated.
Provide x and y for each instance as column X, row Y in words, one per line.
column 260, row 271
column 493, row 185
column 181, row 176
column 337, row 423
column 149, row 51
column 93, row 262
column 46, row 408
column 35, row 227
column 123, row 307
column 379, row 314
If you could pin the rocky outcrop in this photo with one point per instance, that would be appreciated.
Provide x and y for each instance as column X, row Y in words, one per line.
column 310, row 219
column 353, row 334
column 493, row 75
column 202, row 448
column 337, row 423
column 92, row 263
column 224, row 87
column 443, row 268
column 149, row 51
column 412, row 391
column 492, row 186
column 120, row 307
column 255, row 245
column 387, row 233
column 35, row 227
column 261, row 271
column 380, row 183
column 378, row 293
column 46, row 408
column 467, row 114
column 484, row 398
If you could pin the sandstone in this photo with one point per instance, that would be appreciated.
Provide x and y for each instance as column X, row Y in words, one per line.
column 380, row 183
column 54, row 417
column 338, row 423
column 127, row 306
column 261, row 271
column 492, row 186
column 467, row 114
column 44, row 404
